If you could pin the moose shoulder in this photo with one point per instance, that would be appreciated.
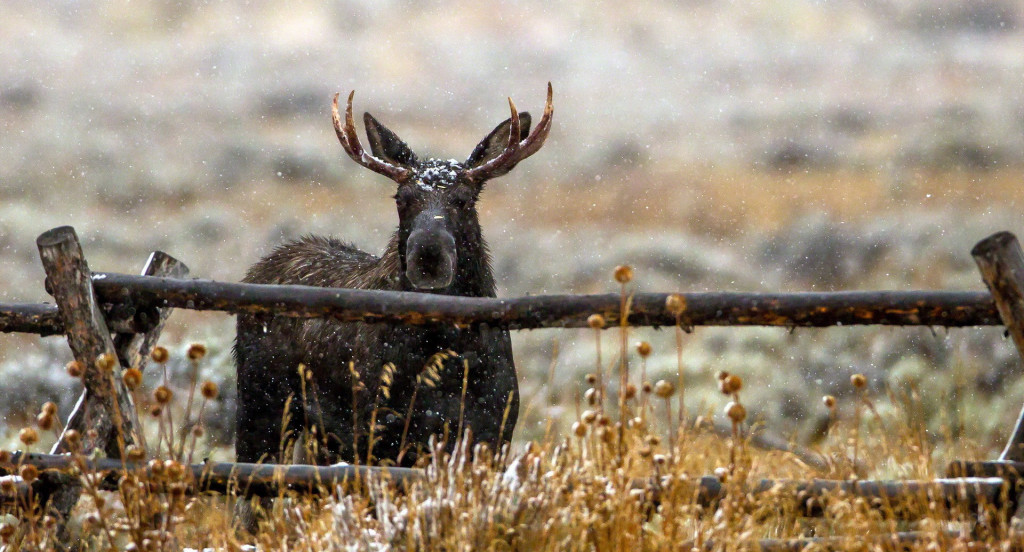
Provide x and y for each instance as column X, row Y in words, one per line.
column 376, row 393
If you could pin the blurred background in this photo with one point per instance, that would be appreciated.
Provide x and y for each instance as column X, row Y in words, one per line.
column 782, row 146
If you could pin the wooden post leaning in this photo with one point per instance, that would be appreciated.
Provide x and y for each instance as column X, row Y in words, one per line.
column 105, row 406
column 1001, row 261
column 133, row 348
column 106, row 410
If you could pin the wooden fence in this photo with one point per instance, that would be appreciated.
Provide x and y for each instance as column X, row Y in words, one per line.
column 108, row 316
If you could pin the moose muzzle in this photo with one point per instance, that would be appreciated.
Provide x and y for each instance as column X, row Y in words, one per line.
column 430, row 256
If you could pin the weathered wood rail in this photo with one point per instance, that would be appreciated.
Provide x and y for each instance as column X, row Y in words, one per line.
column 818, row 309
column 117, row 318
column 965, row 492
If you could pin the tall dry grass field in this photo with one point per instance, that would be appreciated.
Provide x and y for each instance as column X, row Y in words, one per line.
column 626, row 475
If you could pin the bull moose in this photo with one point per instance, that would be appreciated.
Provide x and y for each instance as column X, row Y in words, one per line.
column 376, row 393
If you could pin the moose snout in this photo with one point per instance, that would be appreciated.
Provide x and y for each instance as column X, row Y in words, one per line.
column 430, row 259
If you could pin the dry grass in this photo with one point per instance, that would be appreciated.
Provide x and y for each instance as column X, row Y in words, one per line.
column 572, row 491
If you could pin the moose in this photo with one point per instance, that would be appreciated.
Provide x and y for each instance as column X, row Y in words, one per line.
column 375, row 393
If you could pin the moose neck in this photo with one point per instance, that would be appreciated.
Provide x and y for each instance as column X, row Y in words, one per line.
column 473, row 276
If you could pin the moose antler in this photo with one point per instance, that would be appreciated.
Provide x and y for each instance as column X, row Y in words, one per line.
column 350, row 141
column 516, row 151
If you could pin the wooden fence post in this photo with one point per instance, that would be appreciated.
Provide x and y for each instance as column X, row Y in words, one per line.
column 132, row 348
column 1001, row 261
column 105, row 407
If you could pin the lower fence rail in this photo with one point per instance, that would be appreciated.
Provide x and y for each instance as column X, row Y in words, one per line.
column 966, row 494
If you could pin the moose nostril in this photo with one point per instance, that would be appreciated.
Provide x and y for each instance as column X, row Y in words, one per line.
column 429, row 255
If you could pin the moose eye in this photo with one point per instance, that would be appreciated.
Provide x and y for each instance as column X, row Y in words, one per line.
column 463, row 197
column 404, row 197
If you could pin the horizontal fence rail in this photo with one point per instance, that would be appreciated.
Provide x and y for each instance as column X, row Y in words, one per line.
column 967, row 493
column 131, row 297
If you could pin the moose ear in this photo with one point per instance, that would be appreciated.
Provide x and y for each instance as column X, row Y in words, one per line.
column 496, row 141
column 386, row 145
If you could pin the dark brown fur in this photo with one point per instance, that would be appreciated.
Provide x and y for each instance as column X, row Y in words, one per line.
column 400, row 384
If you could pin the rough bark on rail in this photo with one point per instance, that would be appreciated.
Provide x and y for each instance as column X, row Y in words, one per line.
column 37, row 318
column 899, row 308
column 44, row 319
column 223, row 477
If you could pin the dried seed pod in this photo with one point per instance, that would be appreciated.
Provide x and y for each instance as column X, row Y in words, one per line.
column 159, row 354
column 736, row 412
column 209, row 390
column 50, row 407
column 591, row 379
column 196, row 351
column 630, row 391
column 29, row 436
column 155, row 410
column 730, row 384
column 28, row 473
column 106, row 362
column 579, row 429
column 722, row 474
column 858, row 381
column 73, row 437
column 592, row 396
column 588, row 416
column 623, row 274
column 75, row 369
column 135, row 453
column 174, row 469
column 197, row 431
column 132, row 378
column 829, row 401
column 5, row 456
column 675, row 304
column 664, row 389
column 163, row 395
column 595, row 321
column 7, row 486
column 647, row 387
column 643, row 349
column 44, row 421
column 156, row 468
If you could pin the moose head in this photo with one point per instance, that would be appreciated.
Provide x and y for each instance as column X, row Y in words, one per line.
column 438, row 231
